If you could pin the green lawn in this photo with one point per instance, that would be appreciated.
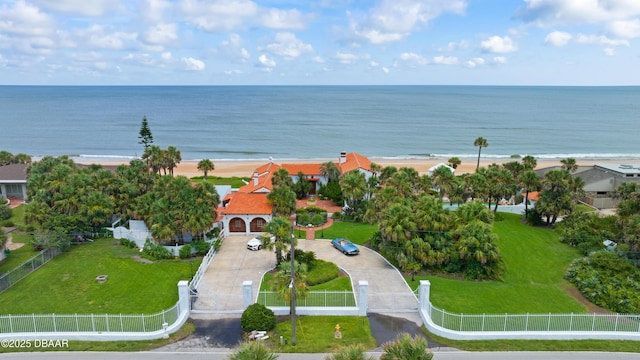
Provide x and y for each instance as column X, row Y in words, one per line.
column 235, row 182
column 17, row 257
column 67, row 283
column 315, row 334
column 533, row 282
column 356, row 232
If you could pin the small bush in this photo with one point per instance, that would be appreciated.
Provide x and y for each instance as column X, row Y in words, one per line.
column 257, row 317
column 185, row 252
column 201, row 247
column 303, row 257
column 407, row 347
column 317, row 219
column 5, row 211
column 304, row 219
column 351, row 352
column 8, row 223
column 321, row 272
column 252, row 351
column 155, row 251
column 336, row 216
column 128, row 243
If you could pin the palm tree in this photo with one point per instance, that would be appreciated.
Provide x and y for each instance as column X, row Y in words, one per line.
column 354, row 186
column 281, row 177
column 330, row 171
column 529, row 162
column 530, row 182
column 569, row 164
column 173, row 158
column 282, row 281
column 280, row 228
column 206, row 165
column 454, row 162
column 480, row 143
column 283, row 200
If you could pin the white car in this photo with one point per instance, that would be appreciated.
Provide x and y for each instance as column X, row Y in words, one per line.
column 254, row 244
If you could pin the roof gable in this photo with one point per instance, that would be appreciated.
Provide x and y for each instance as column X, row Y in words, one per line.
column 307, row 169
column 248, row 204
column 355, row 161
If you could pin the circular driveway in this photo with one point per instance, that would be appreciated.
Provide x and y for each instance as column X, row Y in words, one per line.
column 221, row 287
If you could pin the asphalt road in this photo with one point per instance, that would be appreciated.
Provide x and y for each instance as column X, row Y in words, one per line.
column 224, row 355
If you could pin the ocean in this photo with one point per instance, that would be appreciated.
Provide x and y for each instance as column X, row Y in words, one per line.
column 318, row 122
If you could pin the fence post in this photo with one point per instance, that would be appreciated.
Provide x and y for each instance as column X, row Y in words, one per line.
column 247, row 293
column 593, row 323
column 571, row 323
column 549, row 323
column 363, row 291
column 505, row 321
column 617, row 317
column 483, row 314
column 526, row 326
column 106, row 320
column 10, row 323
column 35, row 327
column 93, row 323
column 53, row 318
column 424, row 293
column 184, row 299
column 77, row 323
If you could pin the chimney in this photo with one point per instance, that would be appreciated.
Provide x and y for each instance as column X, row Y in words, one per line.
column 255, row 178
column 343, row 157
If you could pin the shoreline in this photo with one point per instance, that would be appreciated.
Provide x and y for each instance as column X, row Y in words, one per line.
column 245, row 168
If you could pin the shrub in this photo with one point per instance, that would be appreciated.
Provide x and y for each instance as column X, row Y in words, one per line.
column 252, row 351
column 45, row 240
column 317, row 219
column 8, row 223
column 336, row 216
column 214, row 233
column 407, row 347
column 5, row 211
column 185, row 252
column 303, row 257
column 304, row 219
column 155, row 251
column 351, row 352
column 534, row 218
column 128, row 243
column 321, row 272
column 201, row 247
column 257, row 317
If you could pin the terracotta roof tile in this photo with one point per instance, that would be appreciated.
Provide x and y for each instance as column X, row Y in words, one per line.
column 307, row 169
column 266, row 168
column 533, row 196
column 248, row 204
column 264, row 183
column 355, row 161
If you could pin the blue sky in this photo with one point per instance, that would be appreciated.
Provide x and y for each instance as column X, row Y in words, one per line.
column 238, row 42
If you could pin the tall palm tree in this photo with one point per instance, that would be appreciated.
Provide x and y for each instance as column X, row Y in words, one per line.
column 354, row 186
column 480, row 143
column 280, row 228
column 206, row 165
column 529, row 162
column 173, row 158
column 283, row 200
column 454, row 162
column 530, row 182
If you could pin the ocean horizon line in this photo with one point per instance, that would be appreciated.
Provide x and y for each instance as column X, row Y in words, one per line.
column 84, row 158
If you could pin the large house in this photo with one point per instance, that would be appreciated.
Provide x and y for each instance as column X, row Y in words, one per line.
column 600, row 181
column 247, row 210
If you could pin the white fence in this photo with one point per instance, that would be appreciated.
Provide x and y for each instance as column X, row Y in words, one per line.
column 525, row 326
column 324, row 298
column 103, row 327
column 21, row 271
column 204, row 265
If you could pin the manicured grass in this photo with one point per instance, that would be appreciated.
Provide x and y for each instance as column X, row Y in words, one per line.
column 234, row 181
column 533, row 282
column 17, row 215
column 341, row 283
column 68, row 281
column 315, row 334
column 358, row 233
column 536, row 345
column 17, row 257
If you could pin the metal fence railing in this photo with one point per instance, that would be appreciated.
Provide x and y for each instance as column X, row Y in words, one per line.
column 42, row 323
column 325, row 298
column 21, row 271
column 197, row 277
column 535, row 322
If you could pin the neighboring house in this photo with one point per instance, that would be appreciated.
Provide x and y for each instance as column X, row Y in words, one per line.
column 247, row 209
column 600, row 181
column 13, row 181
column 439, row 165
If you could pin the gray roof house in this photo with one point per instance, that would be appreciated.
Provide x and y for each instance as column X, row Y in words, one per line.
column 13, row 181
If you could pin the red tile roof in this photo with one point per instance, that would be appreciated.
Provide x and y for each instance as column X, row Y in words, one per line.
column 307, row 169
column 264, row 183
column 248, row 204
column 533, row 196
column 266, row 168
column 355, row 161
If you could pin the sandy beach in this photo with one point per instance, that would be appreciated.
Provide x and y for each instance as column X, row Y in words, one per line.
column 244, row 168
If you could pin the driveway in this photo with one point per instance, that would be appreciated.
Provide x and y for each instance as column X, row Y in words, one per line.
column 221, row 287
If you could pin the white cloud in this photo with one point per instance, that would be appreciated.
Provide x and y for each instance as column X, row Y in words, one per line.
column 161, row 34
column 500, row 60
column 288, row 46
column 609, row 51
column 192, row 64
column 475, row 62
column 414, row 59
column 266, row 62
column 558, row 38
column 25, row 20
column 166, row 56
column 82, row 7
column 600, row 40
column 218, row 15
column 348, row 58
column 500, row 45
column 445, row 60
column 154, row 10
column 393, row 20
column 282, row 19
column 385, row 69
column 233, row 72
column 141, row 59
column 453, row 46
column 628, row 29
column 97, row 36
column 575, row 12
column 233, row 49
column 319, row 60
